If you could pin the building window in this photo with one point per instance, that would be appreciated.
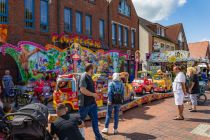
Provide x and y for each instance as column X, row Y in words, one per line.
column 126, row 37
column 124, row 8
column 29, row 13
column 79, row 22
column 3, row 11
column 158, row 31
column 120, row 36
column 162, row 32
column 133, row 38
column 67, row 20
column 101, row 29
column 114, row 35
column 44, row 15
column 88, row 25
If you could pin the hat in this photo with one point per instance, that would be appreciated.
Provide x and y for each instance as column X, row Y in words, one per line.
column 116, row 77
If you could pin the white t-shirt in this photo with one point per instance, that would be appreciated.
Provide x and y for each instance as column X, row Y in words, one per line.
column 180, row 78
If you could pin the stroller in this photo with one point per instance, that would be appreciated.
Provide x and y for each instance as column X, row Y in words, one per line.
column 28, row 123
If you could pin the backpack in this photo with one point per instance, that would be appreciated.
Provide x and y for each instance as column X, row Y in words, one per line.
column 117, row 97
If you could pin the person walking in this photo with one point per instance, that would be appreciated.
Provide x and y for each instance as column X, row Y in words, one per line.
column 7, row 83
column 66, row 127
column 194, row 87
column 87, row 97
column 179, row 90
column 115, row 99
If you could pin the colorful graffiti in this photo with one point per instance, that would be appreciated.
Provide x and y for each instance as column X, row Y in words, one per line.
column 34, row 60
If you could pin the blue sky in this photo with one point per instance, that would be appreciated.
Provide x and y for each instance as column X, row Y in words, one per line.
column 194, row 14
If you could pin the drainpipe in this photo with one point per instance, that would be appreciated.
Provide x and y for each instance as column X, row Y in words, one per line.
column 58, row 17
column 109, row 27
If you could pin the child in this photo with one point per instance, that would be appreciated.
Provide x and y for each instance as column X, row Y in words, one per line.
column 7, row 109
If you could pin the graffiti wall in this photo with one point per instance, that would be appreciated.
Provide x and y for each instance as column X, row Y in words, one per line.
column 35, row 61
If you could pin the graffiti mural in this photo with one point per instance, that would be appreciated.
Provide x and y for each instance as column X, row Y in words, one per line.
column 35, row 61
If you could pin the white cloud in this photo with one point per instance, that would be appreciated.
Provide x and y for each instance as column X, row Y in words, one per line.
column 205, row 39
column 157, row 10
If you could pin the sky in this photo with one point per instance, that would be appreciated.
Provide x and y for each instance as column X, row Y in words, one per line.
column 194, row 14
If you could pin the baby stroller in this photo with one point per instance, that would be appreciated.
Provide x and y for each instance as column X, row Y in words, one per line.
column 28, row 123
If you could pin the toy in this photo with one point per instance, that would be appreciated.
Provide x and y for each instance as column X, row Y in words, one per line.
column 162, row 82
column 66, row 91
column 143, row 83
column 101, row 82
column 128, row 88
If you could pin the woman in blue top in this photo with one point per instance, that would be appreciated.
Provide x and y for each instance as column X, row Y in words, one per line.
column 116, row 86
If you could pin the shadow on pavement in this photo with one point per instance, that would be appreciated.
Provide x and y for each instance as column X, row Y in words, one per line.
column 138, row 136
column 204, row 111
column 140, row 112
column 198, row 120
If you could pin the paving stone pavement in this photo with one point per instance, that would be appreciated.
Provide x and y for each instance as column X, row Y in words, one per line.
column 155, row 121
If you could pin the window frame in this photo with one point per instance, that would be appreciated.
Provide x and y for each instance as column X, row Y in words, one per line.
column 123, row 6
column 126, row 37
column 71, row 20
column 33, row 15
column 5, row 14
column 114, row 38
column 102, row 38
column 81, row 26
column 91, row 20
column 120, row 35
column 47, row 24
column 133, row 39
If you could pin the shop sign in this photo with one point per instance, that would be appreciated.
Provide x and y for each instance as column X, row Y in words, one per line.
column 74, row 38
column 170, row 56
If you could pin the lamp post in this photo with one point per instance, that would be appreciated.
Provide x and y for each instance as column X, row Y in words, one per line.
column 137, row 59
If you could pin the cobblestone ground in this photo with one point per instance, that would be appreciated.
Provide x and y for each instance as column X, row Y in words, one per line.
column 155, row 121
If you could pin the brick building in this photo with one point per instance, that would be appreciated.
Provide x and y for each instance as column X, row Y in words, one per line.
column 113, row 22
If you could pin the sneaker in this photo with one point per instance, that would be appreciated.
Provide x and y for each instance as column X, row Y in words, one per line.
column 105, row 130
column 115, row 131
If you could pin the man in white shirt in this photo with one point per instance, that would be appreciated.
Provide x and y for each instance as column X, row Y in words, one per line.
column 179, row 90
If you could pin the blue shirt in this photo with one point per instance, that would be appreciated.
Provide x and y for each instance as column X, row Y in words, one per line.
column 115, row 85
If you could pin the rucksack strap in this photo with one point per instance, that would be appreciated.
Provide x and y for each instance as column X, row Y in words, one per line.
column 114, row 87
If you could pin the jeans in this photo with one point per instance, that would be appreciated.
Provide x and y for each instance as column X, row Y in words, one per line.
column 116, row 115
column 92, row 111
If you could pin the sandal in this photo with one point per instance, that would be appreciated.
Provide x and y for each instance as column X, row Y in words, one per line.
column 179, row 118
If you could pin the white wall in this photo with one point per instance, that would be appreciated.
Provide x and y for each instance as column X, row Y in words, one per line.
column 143, row 46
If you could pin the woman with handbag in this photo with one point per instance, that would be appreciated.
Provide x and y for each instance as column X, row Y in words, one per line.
column 115, row 99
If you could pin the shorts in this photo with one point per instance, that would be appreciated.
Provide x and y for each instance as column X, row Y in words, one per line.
column 193, row 98
column 179, row 97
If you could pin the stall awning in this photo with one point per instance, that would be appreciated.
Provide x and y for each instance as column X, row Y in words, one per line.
column 169, row 56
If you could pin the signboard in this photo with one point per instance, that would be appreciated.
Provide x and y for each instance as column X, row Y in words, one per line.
column 170, row 56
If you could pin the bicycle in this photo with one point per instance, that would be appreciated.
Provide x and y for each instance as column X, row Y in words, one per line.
column 201, row 97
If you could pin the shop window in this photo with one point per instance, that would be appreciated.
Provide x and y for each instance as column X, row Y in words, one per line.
column 114, row 34
column 88, row 25
column 126, row 36
column 124, row 8
column 68, row 20
column 101, row 29
column 79, row 22
column 3, row 11
column 133, row 38
column 120, row 36
column 29, row 13
column 44, row 15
